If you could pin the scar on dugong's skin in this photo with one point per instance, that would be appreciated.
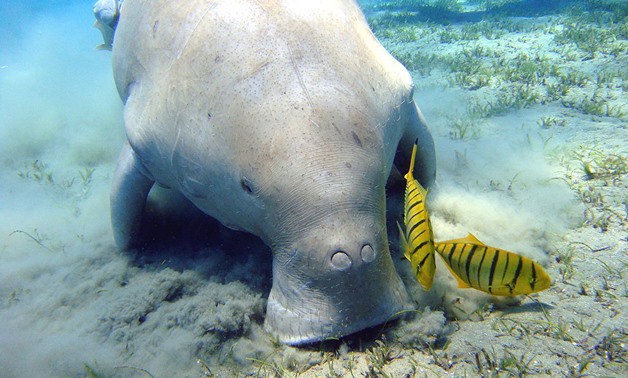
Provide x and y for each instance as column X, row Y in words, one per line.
column 283, row 119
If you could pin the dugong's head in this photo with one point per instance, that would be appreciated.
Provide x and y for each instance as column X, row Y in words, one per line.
column 319, row 201
column 333, row 275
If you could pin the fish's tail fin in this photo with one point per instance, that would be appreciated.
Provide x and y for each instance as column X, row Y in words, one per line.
column 410, row 176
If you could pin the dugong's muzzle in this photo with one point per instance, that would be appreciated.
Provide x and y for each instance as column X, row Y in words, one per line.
column 334, row 282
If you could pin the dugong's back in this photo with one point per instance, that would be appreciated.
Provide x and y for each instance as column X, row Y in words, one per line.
column 246, row 58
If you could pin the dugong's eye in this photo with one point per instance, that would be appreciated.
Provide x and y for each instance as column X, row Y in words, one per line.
column 246, row 185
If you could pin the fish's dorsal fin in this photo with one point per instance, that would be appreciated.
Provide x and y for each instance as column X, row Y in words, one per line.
column 469, row 239
column 404, row 242
column 461, row 283
column 473, row 240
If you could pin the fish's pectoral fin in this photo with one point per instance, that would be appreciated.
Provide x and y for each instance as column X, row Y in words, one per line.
column 499, row 290
column 509, row 286
column 404, row 242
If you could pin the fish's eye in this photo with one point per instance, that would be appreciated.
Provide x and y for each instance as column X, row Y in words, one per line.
column 246, row 185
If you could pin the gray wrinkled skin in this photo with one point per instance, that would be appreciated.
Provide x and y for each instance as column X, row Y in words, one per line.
column 283, row 119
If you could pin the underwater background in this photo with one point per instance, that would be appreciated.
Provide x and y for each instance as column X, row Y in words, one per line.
column 527, row 103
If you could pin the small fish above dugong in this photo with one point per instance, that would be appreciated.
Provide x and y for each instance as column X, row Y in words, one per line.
column 282, row 118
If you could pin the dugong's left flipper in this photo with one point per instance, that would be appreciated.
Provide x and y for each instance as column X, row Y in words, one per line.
column 129, row 191
column 416, row 129
column 107, row 13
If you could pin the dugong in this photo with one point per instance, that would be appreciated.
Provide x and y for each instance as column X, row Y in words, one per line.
column 282, row 118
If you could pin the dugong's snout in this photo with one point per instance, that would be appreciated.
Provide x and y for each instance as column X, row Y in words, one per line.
column 329, row 286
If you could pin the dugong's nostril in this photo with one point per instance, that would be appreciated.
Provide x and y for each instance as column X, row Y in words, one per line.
column 367, row 253
column 341, row 261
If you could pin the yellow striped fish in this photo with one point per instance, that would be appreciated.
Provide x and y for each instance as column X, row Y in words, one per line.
column 491, row 270
column 418, row 240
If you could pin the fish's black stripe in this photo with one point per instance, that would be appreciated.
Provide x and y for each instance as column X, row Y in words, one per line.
column 503, row 280
column 424, row 259
column 417, row 236
column 460, row 262
column 414, row 204
column 450, row 253
column 468, row 263
column 533, row 281
column 492, row 272
column 414, row 200
column 418, row 247
column 517, row 274
column 408, row 192
column 480, row 266
column 411, row 217
column 417, row 224
column 414, row 193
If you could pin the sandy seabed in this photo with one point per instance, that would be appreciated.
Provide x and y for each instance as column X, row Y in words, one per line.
column 529, row 117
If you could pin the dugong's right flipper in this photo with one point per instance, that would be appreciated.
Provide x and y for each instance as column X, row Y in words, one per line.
column 129, row 192
column 416, row 129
